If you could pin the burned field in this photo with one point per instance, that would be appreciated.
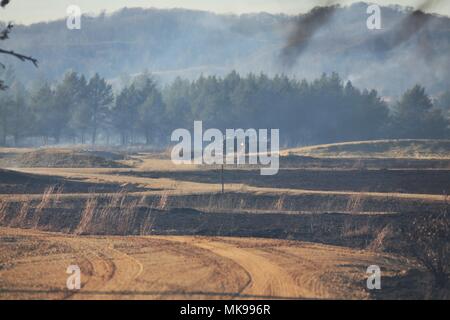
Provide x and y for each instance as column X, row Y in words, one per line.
column 351, row 204
column 422, row 181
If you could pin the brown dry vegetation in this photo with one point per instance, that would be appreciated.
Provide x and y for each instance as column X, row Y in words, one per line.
column 33, row 265
column 406, row 148
column 62, row 158
column 132, row 226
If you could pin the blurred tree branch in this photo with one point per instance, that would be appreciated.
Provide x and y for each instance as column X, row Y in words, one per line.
column 4, row 35
column 4, row 3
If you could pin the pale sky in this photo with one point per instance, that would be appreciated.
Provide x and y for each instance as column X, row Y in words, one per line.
column 30, row 11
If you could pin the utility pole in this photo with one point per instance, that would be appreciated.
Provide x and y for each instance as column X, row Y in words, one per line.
column 221, row 176
column 223, row 161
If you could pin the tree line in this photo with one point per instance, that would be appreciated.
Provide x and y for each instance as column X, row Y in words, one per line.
column 83, row 110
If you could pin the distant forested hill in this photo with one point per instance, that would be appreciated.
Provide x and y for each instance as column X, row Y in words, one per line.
column 186, row 43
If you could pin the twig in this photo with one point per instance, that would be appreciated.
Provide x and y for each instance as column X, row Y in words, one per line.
column 20, row 56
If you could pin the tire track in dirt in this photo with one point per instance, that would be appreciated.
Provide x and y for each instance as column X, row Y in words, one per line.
column 108, row 270
column 221, row 277
column 267, row 278
column 182, row 267
column 307, row 276
column 113, row 271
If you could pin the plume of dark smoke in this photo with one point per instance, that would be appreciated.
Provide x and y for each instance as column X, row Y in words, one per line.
column 306, row 26
column 403, row 31
column 400, row 33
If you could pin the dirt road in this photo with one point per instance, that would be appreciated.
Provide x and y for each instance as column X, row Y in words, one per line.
column 33, row 265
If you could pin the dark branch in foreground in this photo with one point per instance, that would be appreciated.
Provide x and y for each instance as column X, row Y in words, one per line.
column 4, row 3
column 4, row 34
column 20, row 56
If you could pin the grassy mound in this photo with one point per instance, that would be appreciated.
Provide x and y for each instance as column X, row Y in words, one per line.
column 66, row 158
column 426, row 149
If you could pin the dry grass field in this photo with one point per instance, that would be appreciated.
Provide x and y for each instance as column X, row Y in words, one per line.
column 406, row 148
column 33, row 266
column 140, row 227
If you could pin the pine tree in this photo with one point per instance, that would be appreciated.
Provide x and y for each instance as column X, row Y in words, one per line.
column 99, row 99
